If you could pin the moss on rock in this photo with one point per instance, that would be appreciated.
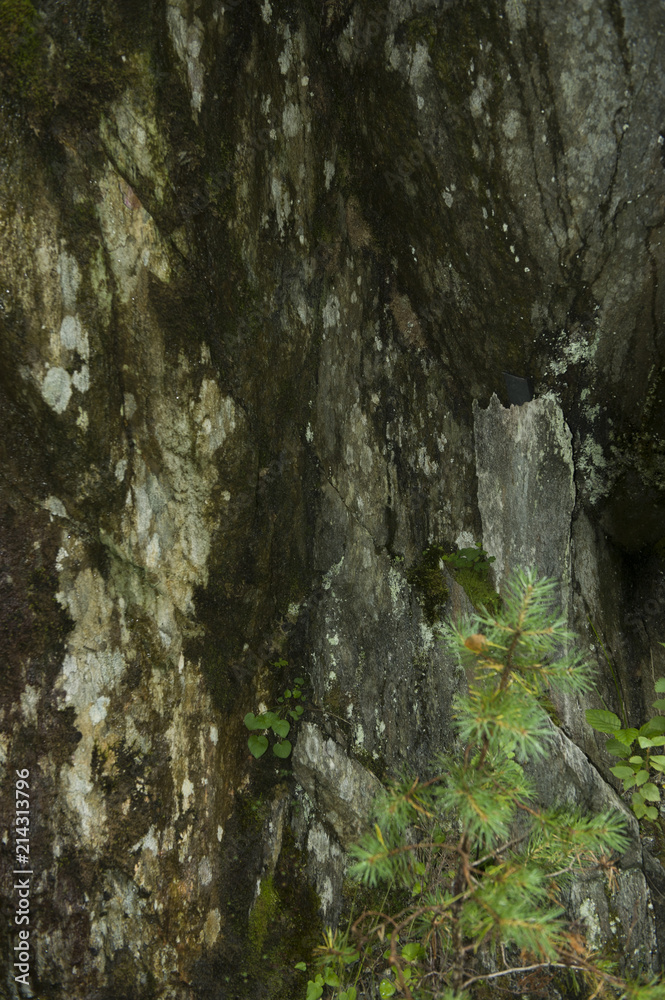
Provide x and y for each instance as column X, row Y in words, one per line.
column 428, row 579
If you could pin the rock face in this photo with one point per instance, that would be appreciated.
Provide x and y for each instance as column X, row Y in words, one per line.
column 263, row 268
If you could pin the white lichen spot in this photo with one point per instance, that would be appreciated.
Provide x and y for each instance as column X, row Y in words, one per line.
column 73, row 337
column 120, row 469
column 333, row 640
column 187, row 794
column 291, row 120
column 421, row 102
column 309, row 434
column 329, row 576
column 285, row 57
column 205, row 871
column 420, row 62
column 360, row 735
column 29, row 702
column 448, row 198
column 589, row 915
column 81, row 379
column 187, row 40
column 220, row 832
column 153, row 552
column 282, row 202
column 98, row 710
column 55, row 507
column 266, row 11
column 331, row 312
column 396, row 586
column 328, row 172
column 425, row 463
column 426, row 635
column 70, row 280
column 516, row 11
column 149, row 842
column 511, row 124
column 479, row 96
column 465, row 540
column 57, row 389
column 214, row 735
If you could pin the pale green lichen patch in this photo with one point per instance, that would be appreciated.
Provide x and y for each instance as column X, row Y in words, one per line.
column 132, row 136
column 134, row 245
column 187, row 37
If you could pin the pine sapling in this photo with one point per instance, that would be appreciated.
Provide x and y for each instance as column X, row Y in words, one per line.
column 482, row 863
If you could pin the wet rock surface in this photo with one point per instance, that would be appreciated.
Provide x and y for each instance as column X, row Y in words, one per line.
column 263, row 268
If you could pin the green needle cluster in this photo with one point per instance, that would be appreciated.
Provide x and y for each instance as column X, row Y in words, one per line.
column 480, row 863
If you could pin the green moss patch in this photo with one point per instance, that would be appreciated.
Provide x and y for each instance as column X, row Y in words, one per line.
column 478, row 589
column 428, row 579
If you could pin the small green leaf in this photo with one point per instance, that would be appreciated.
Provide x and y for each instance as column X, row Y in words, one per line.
column 254, row 721
column 287, row 693
column 417, row 888
column 622, row 771
column 644, row 742
column 299, row 709
column 314, row 990
column 294, row 715
column 651, row 792
column 637, row 760
column 298, row 680
column 257, row 745
column 282, row 749
column 386, row 988
column 604, row 722
column 659, row 705
column 301, row 966
column 658, row 759
column 413, row 951
column 626, row 736
column 281, row 663
column 654, row 727
column 280, row 701
column 641, row 777
column 651, row 812
column 331, row 978
column 281, row 727
column 660, row 683
column 617, row 749
column 350, row 994
column 269, row 718
column 656, row 766
column 297, row 692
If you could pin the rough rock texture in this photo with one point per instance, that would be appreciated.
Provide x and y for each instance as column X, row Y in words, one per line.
column 258, row 260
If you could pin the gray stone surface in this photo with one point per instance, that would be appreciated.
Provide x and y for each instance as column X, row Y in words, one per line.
column 257, row 265
column 341, row 788
column 526, row 493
